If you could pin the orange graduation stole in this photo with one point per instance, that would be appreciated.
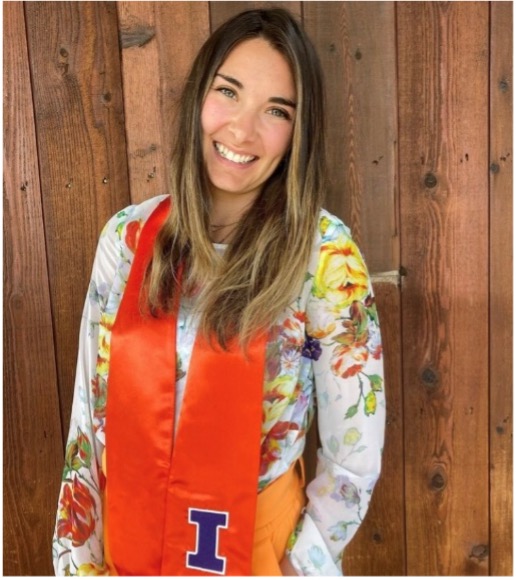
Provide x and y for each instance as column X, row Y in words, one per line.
column 182, row 505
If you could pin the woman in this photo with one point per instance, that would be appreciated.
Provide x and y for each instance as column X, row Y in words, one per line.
column 266, row 303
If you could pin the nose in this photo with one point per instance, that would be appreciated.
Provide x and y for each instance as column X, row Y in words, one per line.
column 243, row 126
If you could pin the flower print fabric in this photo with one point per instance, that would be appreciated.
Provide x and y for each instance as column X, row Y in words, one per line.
column 326, row 347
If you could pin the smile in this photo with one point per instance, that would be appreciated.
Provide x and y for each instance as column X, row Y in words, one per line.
column 232, row 156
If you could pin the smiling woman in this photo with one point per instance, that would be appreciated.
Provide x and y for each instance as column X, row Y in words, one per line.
column 217, row 315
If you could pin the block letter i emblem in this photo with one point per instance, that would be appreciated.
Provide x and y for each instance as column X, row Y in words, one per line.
column 206, row 556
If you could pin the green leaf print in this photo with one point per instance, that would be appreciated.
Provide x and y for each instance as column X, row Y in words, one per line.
column 352, row 411
column 376, row 382
column 333, row 445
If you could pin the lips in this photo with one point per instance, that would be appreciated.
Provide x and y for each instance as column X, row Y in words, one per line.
column 238, row 158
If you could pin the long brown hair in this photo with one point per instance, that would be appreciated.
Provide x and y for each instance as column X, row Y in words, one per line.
column 263, row 267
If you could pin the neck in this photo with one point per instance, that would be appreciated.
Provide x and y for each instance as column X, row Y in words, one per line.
column 228, row 208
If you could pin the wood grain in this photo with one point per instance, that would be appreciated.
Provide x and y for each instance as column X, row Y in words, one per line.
column 191, row 23
column 141, row 83
column 33, row 451
column 378, row 549
column 443, row 86
column 75, row 67
column 501, row 287
column 356, row 44
column 154, row 71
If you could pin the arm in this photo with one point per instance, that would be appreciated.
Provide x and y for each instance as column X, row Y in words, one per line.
column 77, row 546
column 343, row 340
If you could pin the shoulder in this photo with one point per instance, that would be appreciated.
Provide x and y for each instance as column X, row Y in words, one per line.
column 340, row 273
column 122, row 229
column 132, row 213
column 335, row 255
column 330, row 228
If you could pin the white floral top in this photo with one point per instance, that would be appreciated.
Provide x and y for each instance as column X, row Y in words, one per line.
column 326, row 347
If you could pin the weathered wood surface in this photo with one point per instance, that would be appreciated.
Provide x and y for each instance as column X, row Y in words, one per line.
column 75, row 67
column 443, row 59
column 500, row 290
column 155, row 66
column 356, row 42
column 33, row 448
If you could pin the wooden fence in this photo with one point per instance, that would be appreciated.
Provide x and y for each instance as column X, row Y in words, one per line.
column 420, row 106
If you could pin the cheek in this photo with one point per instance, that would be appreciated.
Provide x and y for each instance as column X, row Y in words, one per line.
column 212, row 116
column 279, row 141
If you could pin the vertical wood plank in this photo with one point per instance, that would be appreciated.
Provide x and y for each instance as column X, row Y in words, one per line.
column 141, row 82
column 500, row 276
column 177, row 52
column 33, row 448
column 224, row 10
column 159, row 42
column 443, row 88
column 75, row 67
column 357, row 46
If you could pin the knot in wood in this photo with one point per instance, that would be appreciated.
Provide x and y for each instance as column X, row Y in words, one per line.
column 494, row 168
column 137, row 34
column 430, row 180
column 17, row 301
column 63, row 52
column 358, row 54
column 503, row 85
column 437, row 481
column 480, row 551
column 430, row 378
column 377, row 538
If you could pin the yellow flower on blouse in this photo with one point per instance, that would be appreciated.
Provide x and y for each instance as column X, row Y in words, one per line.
column 105, row 326
column 90, row 569
column 324, row 223
column 341, row 275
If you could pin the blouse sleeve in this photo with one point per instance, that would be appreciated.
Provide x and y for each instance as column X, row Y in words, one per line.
column 77, row 546
column 344, row 343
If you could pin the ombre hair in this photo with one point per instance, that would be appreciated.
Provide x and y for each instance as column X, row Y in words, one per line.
column 264, row 266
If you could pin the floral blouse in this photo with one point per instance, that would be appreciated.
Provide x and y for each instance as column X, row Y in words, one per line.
column 323, row 353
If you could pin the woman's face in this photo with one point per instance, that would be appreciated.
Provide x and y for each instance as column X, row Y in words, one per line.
column 247, row 120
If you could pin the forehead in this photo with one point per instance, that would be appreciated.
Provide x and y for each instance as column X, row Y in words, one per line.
column 256, row 62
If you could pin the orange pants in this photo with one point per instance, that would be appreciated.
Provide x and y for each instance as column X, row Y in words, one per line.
column 277, row 513
column 278, row 510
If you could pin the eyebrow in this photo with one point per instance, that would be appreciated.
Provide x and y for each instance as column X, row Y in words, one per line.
column 276, row 100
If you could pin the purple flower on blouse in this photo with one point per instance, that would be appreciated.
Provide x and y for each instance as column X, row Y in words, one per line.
column 311, row 348
column 345, row 491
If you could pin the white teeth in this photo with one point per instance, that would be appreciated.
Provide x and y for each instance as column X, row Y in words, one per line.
column 235, row 157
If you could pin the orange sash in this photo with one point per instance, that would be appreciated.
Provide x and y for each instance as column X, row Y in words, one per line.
column 183, row 506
